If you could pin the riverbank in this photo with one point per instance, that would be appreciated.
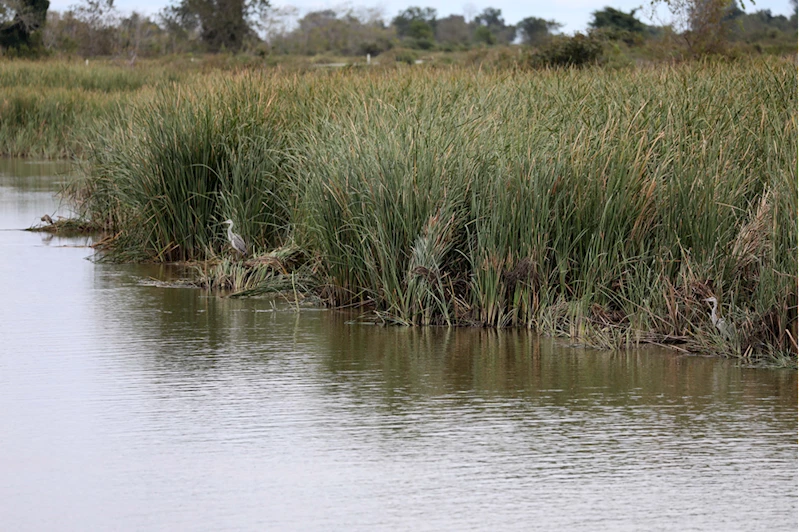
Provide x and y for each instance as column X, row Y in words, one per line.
column 604, row 205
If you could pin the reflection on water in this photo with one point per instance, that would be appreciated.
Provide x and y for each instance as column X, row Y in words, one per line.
column 131, row 406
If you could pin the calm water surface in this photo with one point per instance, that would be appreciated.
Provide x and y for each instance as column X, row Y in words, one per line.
column 128, row 406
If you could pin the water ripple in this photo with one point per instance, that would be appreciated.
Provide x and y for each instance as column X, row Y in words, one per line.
column 129, row 406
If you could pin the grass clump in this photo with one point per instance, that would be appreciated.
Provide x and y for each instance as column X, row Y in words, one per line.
column 384, row 205
column 169, row 172
column 279, row 271
column 65, row 227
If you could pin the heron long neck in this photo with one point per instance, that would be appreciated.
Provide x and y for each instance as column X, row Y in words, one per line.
column 230, row 234
column 713, row 316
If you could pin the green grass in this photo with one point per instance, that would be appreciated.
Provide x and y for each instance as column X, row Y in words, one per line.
column 46, row 108
column 600, row 204
column 172, row 169
column 96, row 77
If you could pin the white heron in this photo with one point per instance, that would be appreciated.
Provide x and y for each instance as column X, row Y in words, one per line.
column 719, row 322
column 236, row 241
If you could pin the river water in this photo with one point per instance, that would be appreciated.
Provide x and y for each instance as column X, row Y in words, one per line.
column 126, row 405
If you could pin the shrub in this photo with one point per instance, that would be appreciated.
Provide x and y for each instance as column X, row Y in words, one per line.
column 577, row 51
column 402, row 55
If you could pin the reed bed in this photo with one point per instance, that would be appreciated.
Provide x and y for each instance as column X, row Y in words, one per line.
column 282, row 270
column 97, row 77
column 47, row 108
column 602, row 205
column 169, row 171
column 66, row 227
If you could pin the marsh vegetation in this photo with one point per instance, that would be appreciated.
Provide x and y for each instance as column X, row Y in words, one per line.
column 600, row 204
column 603, row 205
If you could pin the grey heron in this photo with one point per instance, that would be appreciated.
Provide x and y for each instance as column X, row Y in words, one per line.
column 718, row 322
column 235, row 240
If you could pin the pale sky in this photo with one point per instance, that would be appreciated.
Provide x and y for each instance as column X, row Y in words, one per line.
column 574, row 14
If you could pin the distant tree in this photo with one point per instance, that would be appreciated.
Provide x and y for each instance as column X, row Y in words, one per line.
column 317, row 19
column 491, row 19
column 733, row 12
column 369, row 31
column 180, row 36
column 702, row 24
column 453, row 30
column 87, row 30
column 320, row 31
column 536, row 30
column 483, row 35
column 222, row 24
column 411, row 22
column 618, row 20
column 97, row 36
column 761, row 26
column 137, row 35
column 349, row 33
column 20, row 22
column 772, row 21
column 416, row 26
column 325, row 31
column 276, row 24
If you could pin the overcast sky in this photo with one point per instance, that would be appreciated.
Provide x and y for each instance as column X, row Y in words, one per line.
column 573, row 14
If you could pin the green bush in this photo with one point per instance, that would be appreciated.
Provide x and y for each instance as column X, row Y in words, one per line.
column 402, row 55
column 577, row 51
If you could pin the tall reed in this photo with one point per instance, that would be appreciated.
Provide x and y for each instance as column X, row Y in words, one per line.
column 47, row 107
column 171, row 170
column 600, row 204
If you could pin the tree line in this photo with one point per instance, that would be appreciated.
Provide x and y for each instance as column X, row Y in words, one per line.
column 95, row 28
